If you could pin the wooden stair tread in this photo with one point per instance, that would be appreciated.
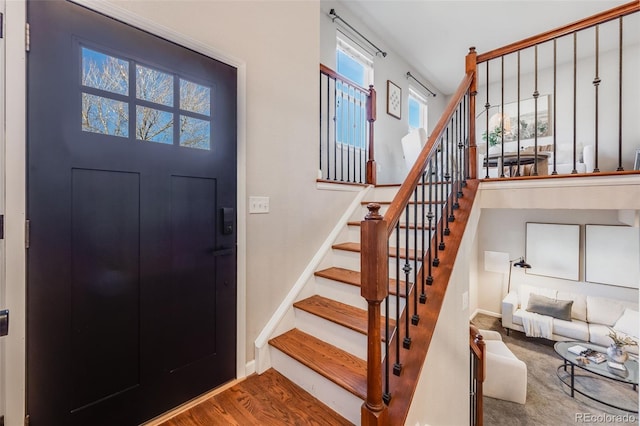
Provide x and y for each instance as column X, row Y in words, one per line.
column 355, row 247
column 333, row 363
column 340, row 313
column 348, row 276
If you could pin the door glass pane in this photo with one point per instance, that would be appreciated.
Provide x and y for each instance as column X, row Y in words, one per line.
column 104, row 115
column 154, row 86
column 105, row 72
column 195, row 97
column 195, row 133
column 154, row 125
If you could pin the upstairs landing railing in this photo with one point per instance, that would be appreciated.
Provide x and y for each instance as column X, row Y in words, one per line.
column 347, row 115
column 555, row 103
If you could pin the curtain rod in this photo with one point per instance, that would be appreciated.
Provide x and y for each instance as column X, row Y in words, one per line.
column 417, row 81
column 335, row 16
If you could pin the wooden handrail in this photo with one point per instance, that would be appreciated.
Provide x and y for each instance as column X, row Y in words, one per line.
column 331, row 73
column 403, row 195
column 582, row 24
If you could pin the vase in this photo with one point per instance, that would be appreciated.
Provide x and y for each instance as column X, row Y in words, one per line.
column 617, row 353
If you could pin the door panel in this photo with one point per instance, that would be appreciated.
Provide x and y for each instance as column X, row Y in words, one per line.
column 193, row 212
column 131, row 155
column 105, row 260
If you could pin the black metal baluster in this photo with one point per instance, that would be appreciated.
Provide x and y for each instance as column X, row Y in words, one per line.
column 386, row 395
column 555, row 81
column 443, row 214
column 397, row 366
column 430, row 216
column 458, row 155
column 536, row 94
column 406, row 342
column 337, row 97
column 415, row 318
column 322, row 76
column 448, row 178
column 436, row 260
column 501, row 112
column 423, row 294
column 620, row 168
column 518, row 114
column 350, row 130
column 596, row 83
column 343, row 118
column 487, row 105
column 575, row 98
column 361, row 125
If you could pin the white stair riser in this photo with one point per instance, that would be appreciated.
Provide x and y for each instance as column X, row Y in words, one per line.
column 349, row 294
column 354, row 235
column 341, row 337
column 337, row 398
column 351, row 260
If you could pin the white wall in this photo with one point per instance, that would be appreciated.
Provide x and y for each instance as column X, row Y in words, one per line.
column 444, row 379
column 585, row 102
column 388, row 130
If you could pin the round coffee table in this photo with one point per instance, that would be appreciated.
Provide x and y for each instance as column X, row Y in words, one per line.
column 628, row 376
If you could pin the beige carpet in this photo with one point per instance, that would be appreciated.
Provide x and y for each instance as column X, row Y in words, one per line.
column 549, row 402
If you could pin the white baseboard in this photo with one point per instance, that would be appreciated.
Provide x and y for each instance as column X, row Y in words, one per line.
column 485, row 312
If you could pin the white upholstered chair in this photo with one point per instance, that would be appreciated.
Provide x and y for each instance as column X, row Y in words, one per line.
column 505, row 375
column 412, row 145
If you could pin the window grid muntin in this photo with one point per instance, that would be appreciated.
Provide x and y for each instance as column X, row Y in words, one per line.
column 134, row 102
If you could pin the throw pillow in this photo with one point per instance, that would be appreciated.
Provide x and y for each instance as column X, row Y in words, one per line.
column 542, row 305
column 628, row 323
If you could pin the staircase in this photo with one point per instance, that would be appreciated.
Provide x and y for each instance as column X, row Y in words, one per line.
column 326, row 351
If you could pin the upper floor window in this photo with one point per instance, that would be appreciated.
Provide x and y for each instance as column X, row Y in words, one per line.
column 353, row 62
column 417, row 110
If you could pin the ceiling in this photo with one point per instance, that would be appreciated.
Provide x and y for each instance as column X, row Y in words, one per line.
column 434, row 36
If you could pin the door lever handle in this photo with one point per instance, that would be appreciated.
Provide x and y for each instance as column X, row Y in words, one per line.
column 222, row 251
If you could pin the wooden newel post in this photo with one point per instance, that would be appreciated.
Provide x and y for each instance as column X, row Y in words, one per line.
column 471, row 67
column 374, row 267
column 371, row 118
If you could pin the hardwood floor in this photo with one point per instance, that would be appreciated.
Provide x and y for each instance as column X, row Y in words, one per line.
column 266, row 399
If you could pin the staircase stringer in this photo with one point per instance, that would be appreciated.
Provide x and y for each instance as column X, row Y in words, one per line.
column 403, row 387
column 283, row 318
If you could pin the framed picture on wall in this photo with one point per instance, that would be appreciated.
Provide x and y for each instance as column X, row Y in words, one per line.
column 553, row 250
column 612, row 255
column 394, row 100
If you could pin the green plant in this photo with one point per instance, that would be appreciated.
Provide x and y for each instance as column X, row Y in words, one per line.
column 495, row 136
column 620, row 341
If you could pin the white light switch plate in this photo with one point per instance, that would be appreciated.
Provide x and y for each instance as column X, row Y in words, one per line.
column 258, row 205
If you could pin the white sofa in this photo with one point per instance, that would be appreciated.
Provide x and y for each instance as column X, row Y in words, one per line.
column 505, row 375
column 590, row 319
